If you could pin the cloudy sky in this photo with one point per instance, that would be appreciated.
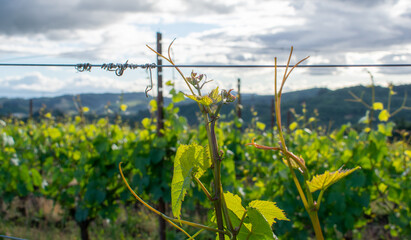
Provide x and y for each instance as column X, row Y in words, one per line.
column 207, row 32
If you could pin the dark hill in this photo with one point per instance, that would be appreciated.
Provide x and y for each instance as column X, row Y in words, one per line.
column 331, row 104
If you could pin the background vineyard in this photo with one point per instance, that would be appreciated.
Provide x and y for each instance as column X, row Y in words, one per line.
column 73, row 163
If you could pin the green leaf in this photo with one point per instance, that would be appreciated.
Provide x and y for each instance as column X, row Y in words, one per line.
column 153, row 105
column 261, row 126
column 261, row 229
column 141, row 163
column 386, row 129
column 37, row 179
column 234, row 204
column 384, row 115
column 245, row 230
column 102, row 122
column 81, row 214
column 123, row 107
column 178, row 97
column 236, row 212
column 190, row 160
column 54, row 133
column 323, row 181
column 24, row 173
column 76, row 155
column 193, row 97
column 95, row 194
column 215, row 96
column 260, row 217
column 146, row 123
column 269, row 210
column 203, row 163
column 377, row 106
column 203, row 100
column 156, row 155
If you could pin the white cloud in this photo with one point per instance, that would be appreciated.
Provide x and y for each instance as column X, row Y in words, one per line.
column 37, row 84
column 209, row 32
column 34, row 82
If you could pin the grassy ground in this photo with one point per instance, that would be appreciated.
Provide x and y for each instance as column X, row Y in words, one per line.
column 38, row 218
column 131, row 224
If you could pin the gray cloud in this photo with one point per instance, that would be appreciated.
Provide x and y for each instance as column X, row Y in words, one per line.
column 363, row 25
column 396, row 59
column 342, row 32
column 367, row 3
column 326, row 30
column 333, row 29
column 207, row 7
column 41, row 16
column 330, row 30
column 299, row 4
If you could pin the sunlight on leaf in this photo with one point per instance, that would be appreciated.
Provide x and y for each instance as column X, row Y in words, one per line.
column 178, row 97
column 146, row 123
column 77, row 119
column 54, row 133
column 153, row 105
column 260, row 126
column 377, row 106
column 234, row 204
column 204, row 100
column 215, row 96
column 293, row 126
column 386, row 129
column 323, row 181
column 293, row 163
column 76, row 155
column 169, row 83
column 190, row 160
column 383, row 116
column 269, row 210
column 123, row 107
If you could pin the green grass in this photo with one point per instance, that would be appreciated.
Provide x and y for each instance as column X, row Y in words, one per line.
column 131, row 224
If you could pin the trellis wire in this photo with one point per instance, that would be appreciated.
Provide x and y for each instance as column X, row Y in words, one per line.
column 15, row 238
column 134, row 66
column 119, row 68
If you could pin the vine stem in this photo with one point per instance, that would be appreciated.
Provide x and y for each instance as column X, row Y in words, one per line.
column 277, row 97
column 316, row 224
column 203, row 188
column 170, row 220
column 306, row 197
column 215, row 159
column 212, row 143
